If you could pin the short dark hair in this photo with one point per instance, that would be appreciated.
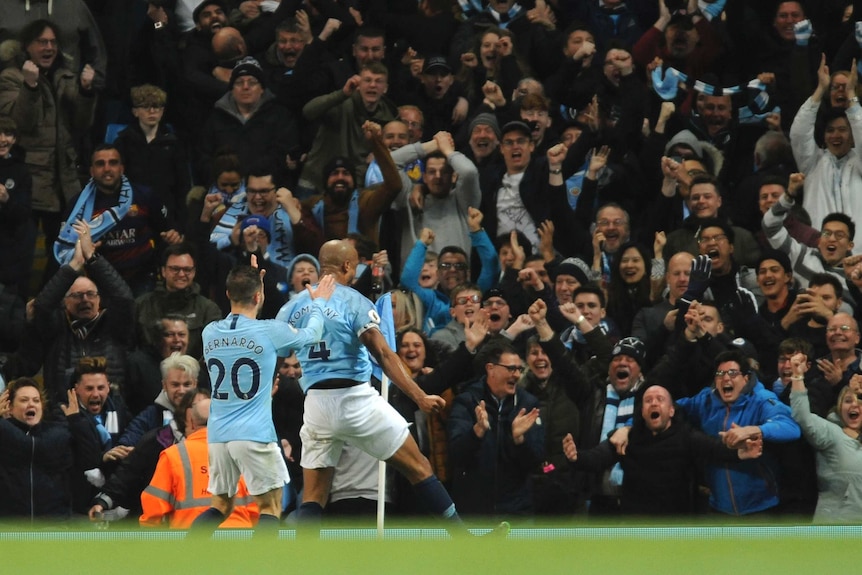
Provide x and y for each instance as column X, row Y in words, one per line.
column 288, row 25
column 505, row 240
column 452, row 250
column 796, row 345
column 824, row 278
column 243, row 281
column 35, row 28
column 447, row 169
column 180, row 249
column 8, row 126
column 830, row 115
column 104, row 147
column 368, row 32
column 704, row 178
column 843, row 219
column 593, row 290
column 733, row 355
column 716, row 223
column 89, row 364
column 772, row 180
column 493, row 349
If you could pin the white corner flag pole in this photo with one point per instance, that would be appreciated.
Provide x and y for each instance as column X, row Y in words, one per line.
column 381, row 469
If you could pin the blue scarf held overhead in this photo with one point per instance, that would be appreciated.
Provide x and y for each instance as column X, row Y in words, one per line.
column 64, row 247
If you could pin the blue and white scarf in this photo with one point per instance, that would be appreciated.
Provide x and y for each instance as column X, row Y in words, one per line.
column 352, row 214
column 64, row 247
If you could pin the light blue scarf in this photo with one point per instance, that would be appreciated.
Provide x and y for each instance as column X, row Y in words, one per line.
column 64, row 247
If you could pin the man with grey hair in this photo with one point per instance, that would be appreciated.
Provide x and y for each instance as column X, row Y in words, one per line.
column 179, row 374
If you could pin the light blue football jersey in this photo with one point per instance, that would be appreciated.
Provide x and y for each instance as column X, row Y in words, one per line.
column 339, row 353
column 241, row 355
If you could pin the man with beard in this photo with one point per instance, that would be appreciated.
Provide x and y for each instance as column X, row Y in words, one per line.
column 704, row 201
column 738, row 408
column 836, row 242
column 107, row 416
column 484, row 133
column 128, row 221
column 610, row 405
column 198, row 57
column 343, row 209
column 292, row 228
column 833, row 174
column 659, row 460
column 179, row 375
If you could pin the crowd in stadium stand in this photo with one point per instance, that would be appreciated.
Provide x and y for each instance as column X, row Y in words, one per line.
column 617, row 235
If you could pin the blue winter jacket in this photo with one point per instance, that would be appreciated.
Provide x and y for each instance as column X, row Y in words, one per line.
column 748, row 486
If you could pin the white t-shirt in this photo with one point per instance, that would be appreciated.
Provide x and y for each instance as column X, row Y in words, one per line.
column 511, row 213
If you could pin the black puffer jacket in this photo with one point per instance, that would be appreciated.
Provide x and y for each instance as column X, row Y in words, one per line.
column 36, row 464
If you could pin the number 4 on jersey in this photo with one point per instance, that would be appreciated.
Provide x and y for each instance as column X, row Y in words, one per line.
column 319, row 351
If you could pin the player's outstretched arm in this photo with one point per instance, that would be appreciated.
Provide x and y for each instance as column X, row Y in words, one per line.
column 394, row 369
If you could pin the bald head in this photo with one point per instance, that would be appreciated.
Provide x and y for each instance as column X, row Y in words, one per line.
column 228, row 44
column 677, row 274
column 339, row 258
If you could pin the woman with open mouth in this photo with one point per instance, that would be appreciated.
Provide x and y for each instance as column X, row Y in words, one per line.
column 836, row 440
column 38, row 455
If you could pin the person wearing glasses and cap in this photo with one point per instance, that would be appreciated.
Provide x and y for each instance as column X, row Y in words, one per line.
column 737, row 407
column 496, row 439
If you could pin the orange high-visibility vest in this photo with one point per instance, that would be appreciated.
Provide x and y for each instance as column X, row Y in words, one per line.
column 177, row 493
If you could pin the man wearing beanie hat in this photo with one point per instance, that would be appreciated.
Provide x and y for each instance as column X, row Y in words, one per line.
column 247, row 120
column 343, row 209
column 568, row 275
column 484, row 133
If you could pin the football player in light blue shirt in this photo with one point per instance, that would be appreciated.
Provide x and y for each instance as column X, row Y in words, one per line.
column 241, row 353
column 341, row 406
